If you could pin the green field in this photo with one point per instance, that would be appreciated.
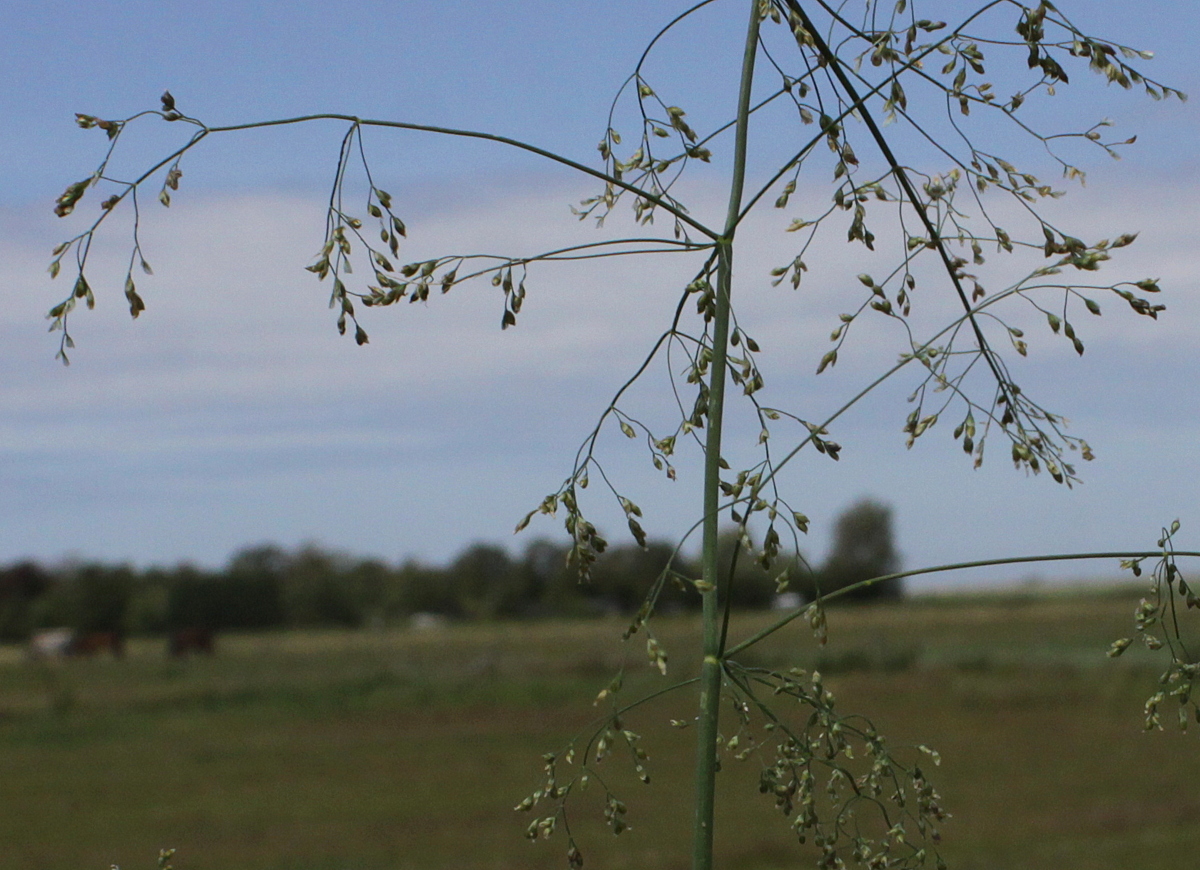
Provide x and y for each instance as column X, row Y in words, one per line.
column 406, row 750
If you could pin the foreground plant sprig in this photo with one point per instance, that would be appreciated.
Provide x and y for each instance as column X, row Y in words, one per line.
column 1157, row 625
column 845, row 71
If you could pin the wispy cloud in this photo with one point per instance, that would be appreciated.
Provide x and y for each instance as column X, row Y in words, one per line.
column 231, row 411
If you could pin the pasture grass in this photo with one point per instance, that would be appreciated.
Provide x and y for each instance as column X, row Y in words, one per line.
column 405, row 750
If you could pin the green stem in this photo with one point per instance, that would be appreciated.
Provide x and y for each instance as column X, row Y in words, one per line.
column 674, row 211
column 956, row 566
column 710, row 674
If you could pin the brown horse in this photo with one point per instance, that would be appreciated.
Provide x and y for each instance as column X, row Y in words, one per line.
column 90, row 643
column 183, row 641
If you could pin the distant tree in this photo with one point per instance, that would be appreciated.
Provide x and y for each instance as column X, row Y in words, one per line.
column 367, row 582
column 193, row 599
column 553, row 587
column 149, row 604
column 315, row 588
column 101, row 596
column 421, row 588
column 486, row 583
column 260, row 561
column 750, row 584
column 863, row 547
column 250, row 592
column 620, row 577
column 20, row 586
column 245, row 595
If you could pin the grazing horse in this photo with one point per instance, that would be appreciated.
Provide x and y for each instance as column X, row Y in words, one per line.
column 183, row 641
column 51, row 643
column 90, row 643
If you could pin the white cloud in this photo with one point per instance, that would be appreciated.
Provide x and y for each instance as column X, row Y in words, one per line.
column 231, row 411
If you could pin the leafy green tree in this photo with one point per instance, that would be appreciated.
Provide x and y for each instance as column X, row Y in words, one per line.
column 930, row 204
column 486, row 583
column 248, row 594
column 368, row 582
column 863, row 548
column 315, row 590
column 102, row 595
column 422, row 588
column 621, row 576
column 553, row 588
column 750, row 582
column 20, row 586
column 148, row 608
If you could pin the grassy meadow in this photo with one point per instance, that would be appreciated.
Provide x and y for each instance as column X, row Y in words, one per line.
column 407, row 749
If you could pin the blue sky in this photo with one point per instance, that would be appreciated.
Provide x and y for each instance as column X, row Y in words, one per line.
column 232, row 413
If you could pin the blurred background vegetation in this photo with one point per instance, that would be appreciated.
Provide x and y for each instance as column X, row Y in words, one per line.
column 406, row 748
column 267, row 586
column 388, row 717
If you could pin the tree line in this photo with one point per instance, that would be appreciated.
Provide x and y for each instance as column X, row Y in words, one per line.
column 267, row 586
